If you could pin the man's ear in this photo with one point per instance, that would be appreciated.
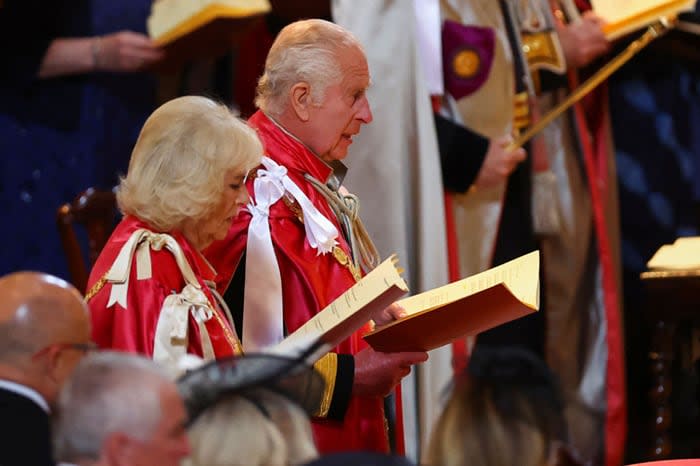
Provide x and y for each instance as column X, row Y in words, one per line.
column 53, row 361
column 300, row 94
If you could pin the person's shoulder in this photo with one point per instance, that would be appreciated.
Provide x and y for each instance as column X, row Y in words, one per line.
column 20, row 413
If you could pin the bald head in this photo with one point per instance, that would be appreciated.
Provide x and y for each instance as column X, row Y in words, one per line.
column 37, row 310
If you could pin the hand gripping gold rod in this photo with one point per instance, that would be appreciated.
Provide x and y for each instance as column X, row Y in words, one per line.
column 653, row 31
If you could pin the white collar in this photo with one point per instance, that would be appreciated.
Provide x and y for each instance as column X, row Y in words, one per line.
column 26, row 392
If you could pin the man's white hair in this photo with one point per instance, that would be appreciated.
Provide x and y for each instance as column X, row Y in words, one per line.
column 304, row 51
column 108, row 392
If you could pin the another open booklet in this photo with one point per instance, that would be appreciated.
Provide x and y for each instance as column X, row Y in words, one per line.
column 197, row 29
column 347, row 314
column 467, row 307
column 173, row 19
column 683, row 254
column 625, row 16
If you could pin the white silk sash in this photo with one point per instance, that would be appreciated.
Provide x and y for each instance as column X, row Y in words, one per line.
column 263, row 321
column 170, row 340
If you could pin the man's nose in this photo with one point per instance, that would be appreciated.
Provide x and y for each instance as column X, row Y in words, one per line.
column 365, row 113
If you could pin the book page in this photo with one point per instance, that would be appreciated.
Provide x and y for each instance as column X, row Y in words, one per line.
column 624, row 16
column 684, row 254
column 170, row 19
column 467, row 307
column 520, row 276
column 349, row 312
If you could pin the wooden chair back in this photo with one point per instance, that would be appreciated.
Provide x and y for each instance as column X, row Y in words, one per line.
column 96, row 212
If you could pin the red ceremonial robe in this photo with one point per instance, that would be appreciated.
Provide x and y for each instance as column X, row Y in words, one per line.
column 133, row 328
column 310, row 281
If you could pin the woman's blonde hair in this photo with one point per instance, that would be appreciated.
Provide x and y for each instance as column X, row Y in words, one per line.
column 471, row 432
column 235, row 432
column 178, row 165
column 293, row 423
column 260, row 427
column 506, row 410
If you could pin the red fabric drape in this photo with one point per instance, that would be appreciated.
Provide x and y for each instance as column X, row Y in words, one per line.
column 594, row 136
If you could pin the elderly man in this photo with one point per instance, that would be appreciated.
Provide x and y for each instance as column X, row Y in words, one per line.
column 120, row 409
column 303, row 242
column 44, row 331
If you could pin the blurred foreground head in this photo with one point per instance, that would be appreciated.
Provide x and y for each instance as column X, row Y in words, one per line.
column 44, row 331
column 252, row 410
column 507, row 409
column 120, row 409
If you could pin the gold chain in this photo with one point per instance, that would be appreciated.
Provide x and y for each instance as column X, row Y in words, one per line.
column 338, row 253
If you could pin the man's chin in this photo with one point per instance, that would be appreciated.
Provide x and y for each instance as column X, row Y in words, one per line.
column 334, row 155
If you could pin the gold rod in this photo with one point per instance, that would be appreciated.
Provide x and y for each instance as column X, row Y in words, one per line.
column 653, row 31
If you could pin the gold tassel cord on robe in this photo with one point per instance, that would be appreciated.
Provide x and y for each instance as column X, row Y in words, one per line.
column 346, row 209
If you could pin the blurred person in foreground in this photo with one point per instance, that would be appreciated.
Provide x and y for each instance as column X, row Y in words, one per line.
column 149, row 290
column 120, row 409
column 75, row 89
column 252, row 410
column 302, row 244
column 44, row 331
column 507, row 409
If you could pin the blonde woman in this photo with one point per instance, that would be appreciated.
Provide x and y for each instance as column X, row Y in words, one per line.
column 259, row 427
column 149, row 290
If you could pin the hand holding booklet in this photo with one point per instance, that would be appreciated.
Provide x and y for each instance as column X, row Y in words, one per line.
column 347, row 314
column 435, row 318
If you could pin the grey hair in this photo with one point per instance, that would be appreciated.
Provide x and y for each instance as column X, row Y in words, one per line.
column 108, row 392
column 304, row 51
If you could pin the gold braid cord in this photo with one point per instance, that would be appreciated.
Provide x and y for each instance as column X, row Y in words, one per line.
column 338, row 253
column 346, row 209
column 94, row 289
column 231, row 337
column 327, row 366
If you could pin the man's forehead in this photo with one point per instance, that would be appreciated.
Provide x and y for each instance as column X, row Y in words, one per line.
column 356, row 75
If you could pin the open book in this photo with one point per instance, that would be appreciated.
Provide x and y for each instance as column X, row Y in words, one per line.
column 199, row 29
column 347, row 314
column 625, row 16
column 173, row 19
column 466, row 307
column 683, row 254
